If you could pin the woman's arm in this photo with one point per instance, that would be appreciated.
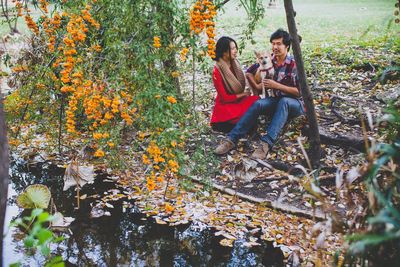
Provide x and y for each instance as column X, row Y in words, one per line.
column 252, row 82
column 219, row 86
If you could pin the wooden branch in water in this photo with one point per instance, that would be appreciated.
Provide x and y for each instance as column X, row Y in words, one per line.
column 271, row 204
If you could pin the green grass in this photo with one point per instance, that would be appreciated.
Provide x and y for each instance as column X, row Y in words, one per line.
column 319, row 22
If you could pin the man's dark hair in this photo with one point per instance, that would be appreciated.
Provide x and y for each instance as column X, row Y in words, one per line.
column 223, row 45
column 280, row 33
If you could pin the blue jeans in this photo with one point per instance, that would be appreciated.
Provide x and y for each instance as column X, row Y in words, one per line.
column 280, row 108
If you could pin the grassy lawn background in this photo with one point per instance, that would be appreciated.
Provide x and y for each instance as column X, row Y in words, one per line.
column 319, row 22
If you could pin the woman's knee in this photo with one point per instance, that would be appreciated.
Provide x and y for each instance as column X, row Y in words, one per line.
column 261, row 104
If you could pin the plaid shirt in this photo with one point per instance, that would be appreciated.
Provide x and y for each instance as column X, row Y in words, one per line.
column 285, row 74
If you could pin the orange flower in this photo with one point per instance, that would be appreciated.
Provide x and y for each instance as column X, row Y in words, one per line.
column 99, row 153
column 145, row 159
column 173, row 165
column 171, row 99
column 175, row 74
column 150, row 184
column 202, row 18
column 156, row 43
column 111, row 144
column 183, row 53
column 168, row 207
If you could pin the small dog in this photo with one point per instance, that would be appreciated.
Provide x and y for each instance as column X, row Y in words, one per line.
column 265, row 71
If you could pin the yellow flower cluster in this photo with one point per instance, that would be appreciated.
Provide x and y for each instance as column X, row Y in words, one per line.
column 168, row 207
column 163, row 162
column 151, row 184
column 50, row 25
column 18, row 6
column 183, row 53
column 155, row 153
column 202, row 18
column 99, row 153
column 19, row 68
column 86, row 16
column 100, row 107
column 156, row 42
column 175, row 74
column 30, row 23
column 43, row 5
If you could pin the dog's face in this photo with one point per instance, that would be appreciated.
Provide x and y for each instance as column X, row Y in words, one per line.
column 264, row 59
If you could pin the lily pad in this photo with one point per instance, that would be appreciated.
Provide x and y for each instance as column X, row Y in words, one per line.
column 34, row 196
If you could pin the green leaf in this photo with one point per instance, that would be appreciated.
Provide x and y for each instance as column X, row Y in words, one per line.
column 34, row 196
column 363, row 241
column 45, row 250
column 36, row 212
column 58, row 239
column 44, row 235
column 57, row 261
column 29, row 241
column 43, row 217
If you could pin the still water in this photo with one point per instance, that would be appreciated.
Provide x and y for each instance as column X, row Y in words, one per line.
column 126, row 238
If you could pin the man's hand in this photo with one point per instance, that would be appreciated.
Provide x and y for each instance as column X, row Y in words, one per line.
column 271, row 84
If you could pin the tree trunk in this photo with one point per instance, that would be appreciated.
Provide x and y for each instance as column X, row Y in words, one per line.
column 315, row 142
column 167, row 33
column 3, row 175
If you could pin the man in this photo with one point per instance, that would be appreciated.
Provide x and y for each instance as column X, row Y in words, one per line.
column 285, row 105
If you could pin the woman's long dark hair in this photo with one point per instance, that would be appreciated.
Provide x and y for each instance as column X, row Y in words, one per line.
column 223, row 45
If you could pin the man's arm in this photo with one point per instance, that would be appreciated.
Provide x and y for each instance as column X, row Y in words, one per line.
column 291, row 90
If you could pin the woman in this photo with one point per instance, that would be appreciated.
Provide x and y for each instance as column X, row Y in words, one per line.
column 232, row 100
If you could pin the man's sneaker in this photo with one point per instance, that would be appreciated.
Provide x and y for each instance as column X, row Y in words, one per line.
column 224, row 147
column 261, row 151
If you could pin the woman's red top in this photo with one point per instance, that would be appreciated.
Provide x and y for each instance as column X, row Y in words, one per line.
column 227, row 107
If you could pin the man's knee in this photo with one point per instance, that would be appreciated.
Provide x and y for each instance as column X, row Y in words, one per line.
column 289, row 102
column 292, row 105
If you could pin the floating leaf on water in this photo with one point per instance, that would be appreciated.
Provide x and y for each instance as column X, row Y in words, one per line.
column 159, row 221
column 34, row 196
column 108, row 205
column 60, row 221
column 97, row 211
column 226, row 242
column 76, row 174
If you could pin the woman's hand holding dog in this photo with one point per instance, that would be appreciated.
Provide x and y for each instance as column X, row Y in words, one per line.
column 245, row 93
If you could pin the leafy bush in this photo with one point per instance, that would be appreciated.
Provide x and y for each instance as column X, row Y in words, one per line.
column 380, row 244
column 39, row 237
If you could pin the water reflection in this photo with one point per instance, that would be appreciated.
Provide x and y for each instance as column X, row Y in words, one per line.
column 124, row 238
